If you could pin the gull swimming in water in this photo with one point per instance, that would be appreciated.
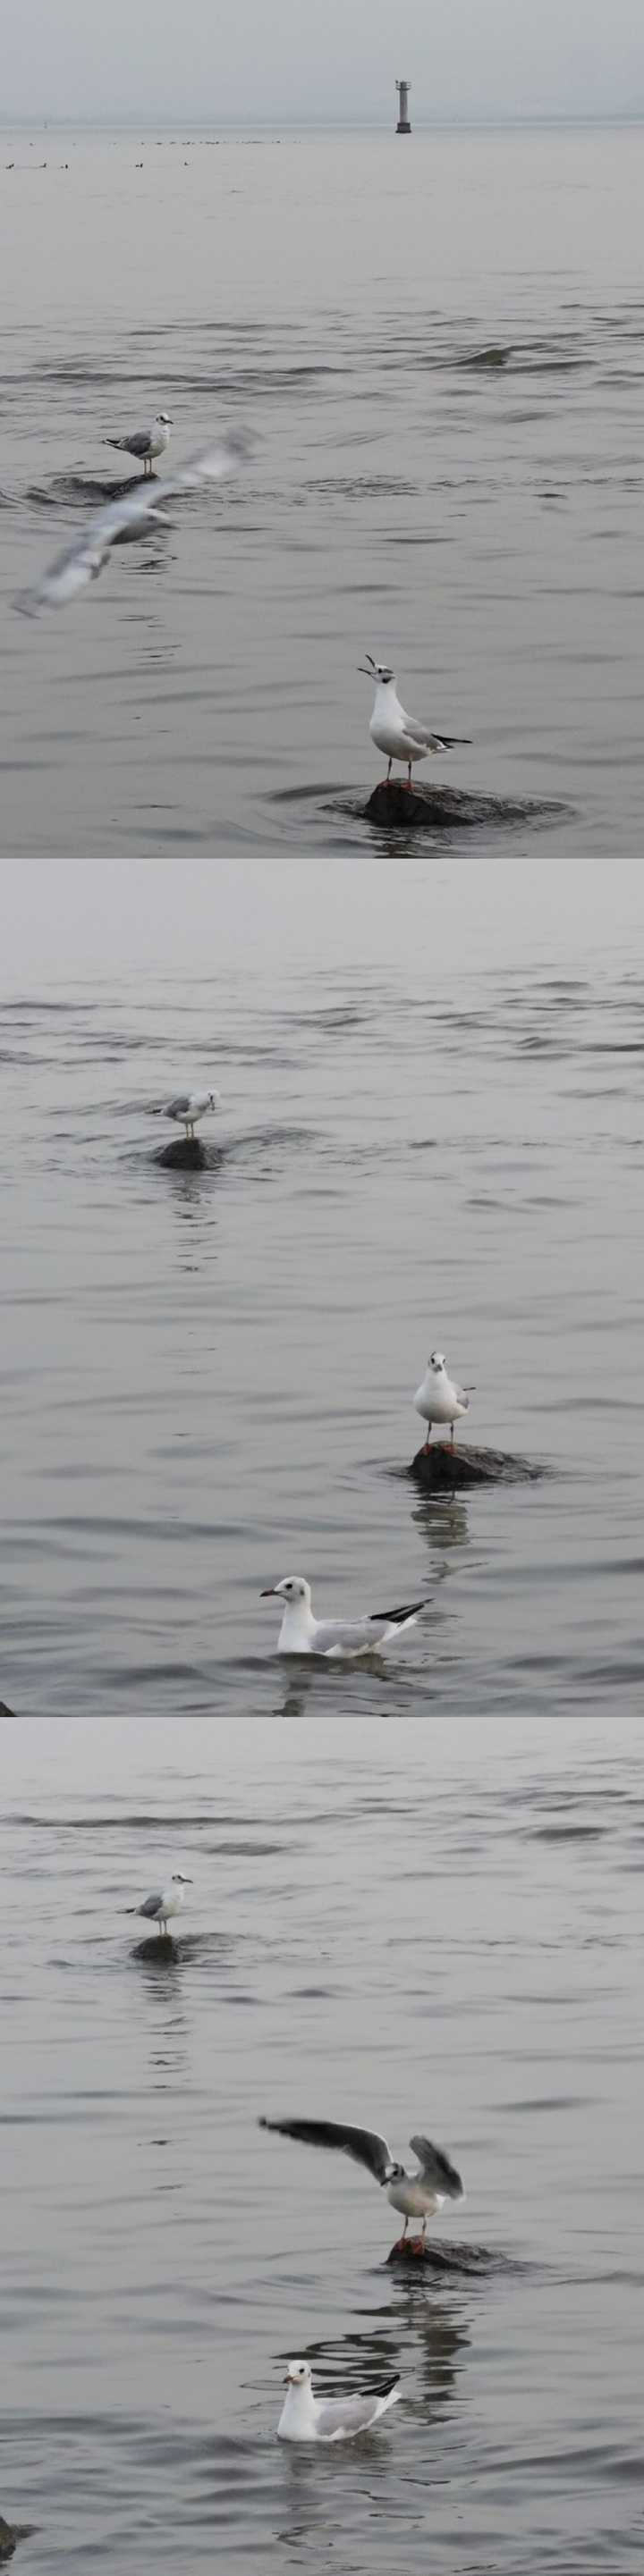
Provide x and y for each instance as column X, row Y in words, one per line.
column 188, row 1106
column 302, row 1634
column 145, row 444
column 416, row 2195
column 440, row 1399
column 400, row 736
column 162, row 1908
column 132, row 516
column 306, row 2418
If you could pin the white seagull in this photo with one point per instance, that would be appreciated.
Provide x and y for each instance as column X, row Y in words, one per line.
column 131, row 516
column 400, row 736
column 440, row 1399
column 188, row 1106
column 306, row 2418
column 416, row 2195
column 145, row 444
column 162, row 1908
column 302, row 1634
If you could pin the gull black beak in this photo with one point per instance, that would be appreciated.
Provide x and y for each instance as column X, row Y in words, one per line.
column 270, row 1594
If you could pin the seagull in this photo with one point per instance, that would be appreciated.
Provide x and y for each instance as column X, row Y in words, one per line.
column 416, row 2195
column 160, row 1909
column 146, row 443
column 400, row 736
column 188, row 1106
column 302, row 1634
column 440, row 1399
column 306, row 2418
column 131, row 516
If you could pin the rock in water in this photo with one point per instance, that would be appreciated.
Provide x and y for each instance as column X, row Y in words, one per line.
column 441, row 1469
column 10, row 2532
column 421, row 808
column 183, row 1154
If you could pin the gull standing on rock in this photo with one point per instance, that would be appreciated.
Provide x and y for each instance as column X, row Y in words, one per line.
column 302, row 1634
column 145, row 444
column 161, row 1909
column 188, row 1106
column 306, row 2418
column 416, row 2195
column 440, row 1399
column 400, row 736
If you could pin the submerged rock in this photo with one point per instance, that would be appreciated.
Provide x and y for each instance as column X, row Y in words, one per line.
column 183, row 1154
column 10, row 2532
column 421, row 808
column 414, row 2257
column 442, row 1469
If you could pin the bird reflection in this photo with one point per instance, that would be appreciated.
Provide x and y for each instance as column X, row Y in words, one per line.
column 443, row 1522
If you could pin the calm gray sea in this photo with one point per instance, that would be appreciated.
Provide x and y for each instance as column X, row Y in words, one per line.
column 416, row 1892
column 439, row 346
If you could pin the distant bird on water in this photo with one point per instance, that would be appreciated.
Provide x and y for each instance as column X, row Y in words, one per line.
column 307, row 2418
column 400, row 736
column 302, row 1634
column 440, row 1398
column 162, row 1908
column 416, row 2195
column 145, row 444
column 188, row 1106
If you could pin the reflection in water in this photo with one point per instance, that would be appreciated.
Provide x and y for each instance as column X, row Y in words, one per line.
column 442, row 1522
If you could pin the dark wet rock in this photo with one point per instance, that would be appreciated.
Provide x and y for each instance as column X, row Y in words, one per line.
column 10, row 2532
column 5, row 1712
column 443, row 1469
column 413, row 2257
column 183, row 1154
column 421, row 808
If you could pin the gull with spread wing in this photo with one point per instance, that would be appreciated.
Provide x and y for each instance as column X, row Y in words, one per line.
column 133, row 515
column 416, row 2195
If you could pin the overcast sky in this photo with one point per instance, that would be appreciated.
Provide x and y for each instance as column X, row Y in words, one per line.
column 208, row 59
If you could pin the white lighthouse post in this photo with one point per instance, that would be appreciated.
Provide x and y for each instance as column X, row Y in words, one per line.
column 403, row 126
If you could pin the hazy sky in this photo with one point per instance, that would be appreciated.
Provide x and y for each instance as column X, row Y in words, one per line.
column 218, row 58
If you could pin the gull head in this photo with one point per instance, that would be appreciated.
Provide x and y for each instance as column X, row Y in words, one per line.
column 179, row 1878
column 214, row 1100
column 379, row 672
column 164, row 420
column 293, row 1587
column 437, row 1359
column 298, row 2375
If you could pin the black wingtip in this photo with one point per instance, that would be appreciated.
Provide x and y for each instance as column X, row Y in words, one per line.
column 406, row 1610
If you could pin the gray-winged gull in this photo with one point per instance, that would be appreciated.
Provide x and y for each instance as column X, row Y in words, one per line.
column 306, row 2418
column 302, row 1634
column 416, row 2195
column 400, row 736
column 161, row 1908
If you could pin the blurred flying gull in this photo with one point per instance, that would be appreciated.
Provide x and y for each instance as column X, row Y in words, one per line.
column 416, row 2195
column 131, row 516
column 302, row 1634
column 306, row 2418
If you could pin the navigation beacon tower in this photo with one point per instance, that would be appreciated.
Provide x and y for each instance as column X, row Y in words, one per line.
column 403, row 126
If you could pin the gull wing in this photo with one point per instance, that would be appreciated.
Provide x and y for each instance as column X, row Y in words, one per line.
column 363, row 2145
column 128, row 517
column 436, row 2169
column 138, row 445
column 362, row 1636
column 179, row 1107
column 337, row 2416
column 462, row 1394
column 152, row 1905
column 427, row 737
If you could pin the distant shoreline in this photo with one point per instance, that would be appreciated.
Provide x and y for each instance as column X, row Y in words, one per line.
column 295, row 125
